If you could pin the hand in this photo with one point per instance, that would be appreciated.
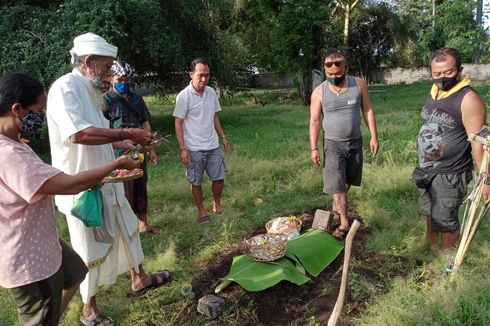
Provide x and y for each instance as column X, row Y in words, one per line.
column 184, row 156
column 140, row 136
column 153, row 157
column 126, row 144
column 126, row 162
column 374, row 145
column 315, row 156
column 226, row 145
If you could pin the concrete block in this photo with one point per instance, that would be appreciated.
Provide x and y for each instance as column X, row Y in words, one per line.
column 322, row 220
column 211, row 306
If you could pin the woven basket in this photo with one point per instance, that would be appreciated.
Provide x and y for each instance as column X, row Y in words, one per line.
column 267, row 247
column 288, row 225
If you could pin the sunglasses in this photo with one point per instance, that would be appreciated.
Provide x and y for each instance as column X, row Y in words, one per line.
column 329, row 64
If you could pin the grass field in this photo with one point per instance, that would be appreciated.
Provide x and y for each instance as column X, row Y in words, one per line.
column 270, row 174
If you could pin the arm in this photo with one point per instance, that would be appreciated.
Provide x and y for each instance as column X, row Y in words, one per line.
column 65, row 184
column 315, row 123
column 99, row 136
column 474, row 117
column 369, row 117
column 179, row 134
column 221, row 134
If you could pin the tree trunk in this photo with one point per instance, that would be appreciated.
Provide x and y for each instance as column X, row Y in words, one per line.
column 305, row 86
column 346, row 25
column 479, row 20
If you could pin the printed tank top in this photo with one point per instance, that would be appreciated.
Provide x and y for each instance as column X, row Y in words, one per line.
column 442, row 144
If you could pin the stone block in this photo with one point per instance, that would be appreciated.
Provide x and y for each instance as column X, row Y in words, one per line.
column 211, row 306
column 322, row 220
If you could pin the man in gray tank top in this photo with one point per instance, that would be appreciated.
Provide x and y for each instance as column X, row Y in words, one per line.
column 451, row 112
column 336, row 105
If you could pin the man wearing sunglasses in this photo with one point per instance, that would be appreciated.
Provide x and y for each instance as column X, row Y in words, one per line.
column 336, row 105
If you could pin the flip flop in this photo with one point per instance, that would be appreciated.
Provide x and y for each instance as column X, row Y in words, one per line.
column 340, row 233
column 218, row 211
column 203, row 219
column 98, row 321
column 165, row 275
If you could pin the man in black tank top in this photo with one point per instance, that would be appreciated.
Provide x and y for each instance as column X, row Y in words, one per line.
column 337, row 105
column 451, row 112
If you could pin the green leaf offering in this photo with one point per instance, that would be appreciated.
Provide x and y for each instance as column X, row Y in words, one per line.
column 315, row 250
column 253, row 275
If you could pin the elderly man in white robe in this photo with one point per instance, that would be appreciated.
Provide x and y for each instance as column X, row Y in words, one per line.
column 81, row 139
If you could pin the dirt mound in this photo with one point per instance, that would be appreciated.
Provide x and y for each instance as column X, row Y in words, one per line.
column 286, row 303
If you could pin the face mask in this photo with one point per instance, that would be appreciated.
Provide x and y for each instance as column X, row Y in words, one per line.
column 95, row 80
column 446, row 83
column 337, row 81
column 32, row 124
column 122, row 88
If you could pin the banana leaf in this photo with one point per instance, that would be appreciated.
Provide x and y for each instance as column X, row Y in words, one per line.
column 314, row 249
column 253, row 275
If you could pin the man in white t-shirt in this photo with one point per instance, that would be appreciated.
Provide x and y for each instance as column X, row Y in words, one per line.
column 197, row 128
column 80, row 140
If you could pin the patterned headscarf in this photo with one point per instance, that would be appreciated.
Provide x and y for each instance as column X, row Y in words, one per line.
column 121, row 69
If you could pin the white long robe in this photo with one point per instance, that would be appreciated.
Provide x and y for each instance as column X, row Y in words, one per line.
column 74, row 105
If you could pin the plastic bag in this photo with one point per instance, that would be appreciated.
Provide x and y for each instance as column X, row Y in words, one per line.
column 88, row 207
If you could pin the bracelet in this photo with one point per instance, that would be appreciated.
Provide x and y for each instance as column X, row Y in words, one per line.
column 313, row 149
column 183, row 149
column 223, row 136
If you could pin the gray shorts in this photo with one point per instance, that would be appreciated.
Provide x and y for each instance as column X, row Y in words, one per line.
column 211, row 161
column 342, row 165
column 38, row 303
column 441, row 201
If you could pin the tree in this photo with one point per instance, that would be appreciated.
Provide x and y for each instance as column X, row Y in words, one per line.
column 373, row 38
column 36, row 36
column 285, row 36
column 346, row 6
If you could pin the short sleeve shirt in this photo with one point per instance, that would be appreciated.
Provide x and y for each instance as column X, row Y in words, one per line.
column 29, row 246
column 198, row 113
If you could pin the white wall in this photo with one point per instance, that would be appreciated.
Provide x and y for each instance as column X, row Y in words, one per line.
column 479, row 72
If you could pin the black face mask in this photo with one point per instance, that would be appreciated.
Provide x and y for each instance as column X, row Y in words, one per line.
column 446, row 83
column 337, row 81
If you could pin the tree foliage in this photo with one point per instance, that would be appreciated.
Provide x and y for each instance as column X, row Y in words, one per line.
column 286, row 36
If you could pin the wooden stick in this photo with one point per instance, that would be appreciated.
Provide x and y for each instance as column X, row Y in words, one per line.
column 332, row 321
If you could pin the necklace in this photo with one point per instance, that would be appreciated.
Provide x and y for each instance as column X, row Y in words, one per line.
column 336, row 90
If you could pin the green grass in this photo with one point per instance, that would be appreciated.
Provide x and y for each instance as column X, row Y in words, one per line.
column 270, row 174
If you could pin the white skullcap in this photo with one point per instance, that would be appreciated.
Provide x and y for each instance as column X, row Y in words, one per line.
column 92, row 44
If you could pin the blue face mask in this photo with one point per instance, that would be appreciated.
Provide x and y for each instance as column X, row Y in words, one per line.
column 122, row 88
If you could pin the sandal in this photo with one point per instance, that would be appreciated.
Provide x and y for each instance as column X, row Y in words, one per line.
column 340, row 233
column 203, row 219
column 98, row 321
column 165, row 275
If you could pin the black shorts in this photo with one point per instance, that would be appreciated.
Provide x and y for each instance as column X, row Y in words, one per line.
column 441, row 201
column 342, row 165
column 38, row 303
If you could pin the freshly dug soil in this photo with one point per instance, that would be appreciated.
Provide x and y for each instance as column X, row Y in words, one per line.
column 312, row 303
